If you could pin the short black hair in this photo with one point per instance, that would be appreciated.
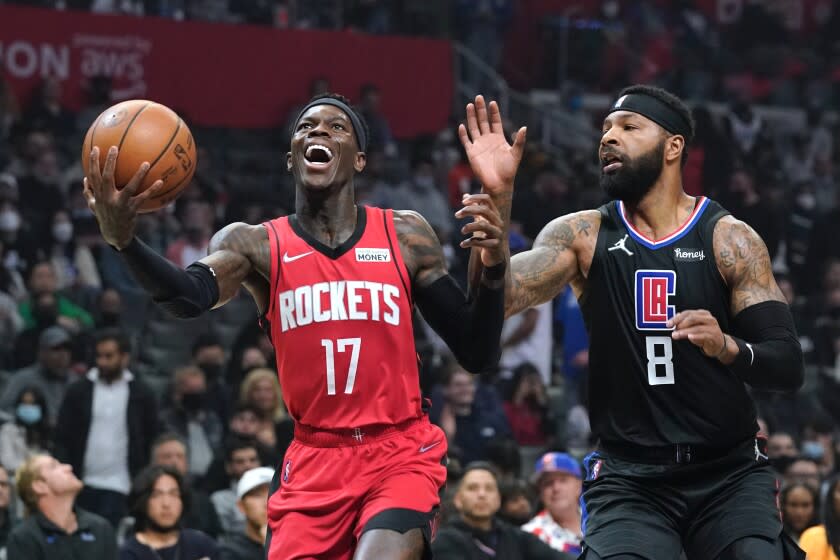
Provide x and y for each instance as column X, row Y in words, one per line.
column 114, row 334
column 237, row 443
column 479, row 466
column 671, row 101
column 205, row 340
column 356, row 110
column 165, row 438
column 141, row 493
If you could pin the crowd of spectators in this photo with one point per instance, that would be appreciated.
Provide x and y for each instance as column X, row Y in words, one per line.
column 153, row 466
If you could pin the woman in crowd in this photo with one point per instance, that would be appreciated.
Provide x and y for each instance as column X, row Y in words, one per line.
column 527, row 407
column 823, row 541
column 799, row 508
column 261, row 391
column 29, row 433
column 74, row 263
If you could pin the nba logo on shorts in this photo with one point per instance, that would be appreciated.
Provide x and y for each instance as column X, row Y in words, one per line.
column 653, row 288
column 596, row 469
column 286, row 471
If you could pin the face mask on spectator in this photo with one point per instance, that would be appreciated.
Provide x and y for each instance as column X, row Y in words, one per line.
column 192, row 402
column 813, row 450
column 63, row 232
column 29, row 413
column 9, row 220
column 111, row 319
column 211, row 371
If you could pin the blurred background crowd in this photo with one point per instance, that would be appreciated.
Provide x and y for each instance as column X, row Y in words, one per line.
column 199, row 400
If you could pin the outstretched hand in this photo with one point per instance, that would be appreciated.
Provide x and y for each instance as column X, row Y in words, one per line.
column 115, row 209
column 492, row 158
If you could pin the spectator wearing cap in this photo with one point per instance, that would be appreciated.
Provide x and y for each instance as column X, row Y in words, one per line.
column 477, row 534
column 55, row 528
column 159, row 497
column 252, row 493
column 51, row 373
column 559, row 481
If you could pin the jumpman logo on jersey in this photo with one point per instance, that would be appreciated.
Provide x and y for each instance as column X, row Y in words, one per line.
column 759, row 454
column 620, row 244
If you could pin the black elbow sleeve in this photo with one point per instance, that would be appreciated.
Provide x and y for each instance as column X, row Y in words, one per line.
column 770, row 356
column 471, row 329
column 195, row 292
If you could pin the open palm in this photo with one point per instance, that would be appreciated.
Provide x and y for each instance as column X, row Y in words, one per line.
column 492, row 158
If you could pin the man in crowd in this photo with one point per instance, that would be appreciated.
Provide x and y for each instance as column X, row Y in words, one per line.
column 559, row 481
column 252, row 491
column 241, row 456
column 106, row 426
column 55, row 528
column 476, row 534
column 170, row 450
column 51, row 373
column 469, row 416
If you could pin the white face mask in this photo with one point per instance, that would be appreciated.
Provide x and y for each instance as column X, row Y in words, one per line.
column 9, row 220
column 62, row 231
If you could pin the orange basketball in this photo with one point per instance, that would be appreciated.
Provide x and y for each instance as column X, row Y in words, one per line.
column 145, row 131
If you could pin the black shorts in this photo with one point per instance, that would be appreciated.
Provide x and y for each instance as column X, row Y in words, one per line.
column 657, row 510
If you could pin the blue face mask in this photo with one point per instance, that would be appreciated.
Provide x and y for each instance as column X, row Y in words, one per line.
column 813, row 450
column 29, row 413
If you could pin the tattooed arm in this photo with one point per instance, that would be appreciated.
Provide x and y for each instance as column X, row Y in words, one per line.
column 744, row 263
column 561, row 252
column 471, row 327
column 240, row 255
column 762, row 347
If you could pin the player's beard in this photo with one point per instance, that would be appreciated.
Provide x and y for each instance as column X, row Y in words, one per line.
column 636, row 177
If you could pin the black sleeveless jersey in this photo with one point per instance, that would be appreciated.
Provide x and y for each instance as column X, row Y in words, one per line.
column 644, row 387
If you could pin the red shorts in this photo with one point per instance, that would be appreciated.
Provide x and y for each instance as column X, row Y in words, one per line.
column 332, row 488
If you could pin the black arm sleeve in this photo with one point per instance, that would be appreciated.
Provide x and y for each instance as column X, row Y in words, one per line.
column 183, row 293
column 769, row 356
column 471, row 328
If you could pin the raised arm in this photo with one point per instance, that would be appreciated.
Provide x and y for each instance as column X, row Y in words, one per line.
column 762, row 347
column 538, row 275
column 210, row 282
column 470, row 327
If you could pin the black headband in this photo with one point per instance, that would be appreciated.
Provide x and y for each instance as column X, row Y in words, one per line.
column 358, row 129
column 654, row 109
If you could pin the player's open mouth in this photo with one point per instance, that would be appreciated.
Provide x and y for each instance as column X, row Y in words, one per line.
column 318, row 155
column 611, row 163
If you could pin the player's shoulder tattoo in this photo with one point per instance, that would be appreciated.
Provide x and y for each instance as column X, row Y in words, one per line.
column 744, row 264
column 555, row 259
column 246, row 240
column 420, row 247
column 562, row 233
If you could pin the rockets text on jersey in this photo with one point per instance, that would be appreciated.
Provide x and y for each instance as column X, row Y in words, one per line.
column 341, row 325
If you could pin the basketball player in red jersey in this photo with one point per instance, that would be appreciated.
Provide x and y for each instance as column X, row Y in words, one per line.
column 338, row 283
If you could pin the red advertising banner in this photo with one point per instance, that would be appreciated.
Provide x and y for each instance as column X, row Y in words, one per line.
column 224, row 75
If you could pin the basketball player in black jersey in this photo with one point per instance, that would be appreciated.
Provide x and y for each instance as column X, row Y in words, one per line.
column 682, row 310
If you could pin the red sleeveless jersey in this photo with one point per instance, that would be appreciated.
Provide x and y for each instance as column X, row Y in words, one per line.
column 341, row 325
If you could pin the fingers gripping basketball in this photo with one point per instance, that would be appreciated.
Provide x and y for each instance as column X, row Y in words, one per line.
column 145, row 131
